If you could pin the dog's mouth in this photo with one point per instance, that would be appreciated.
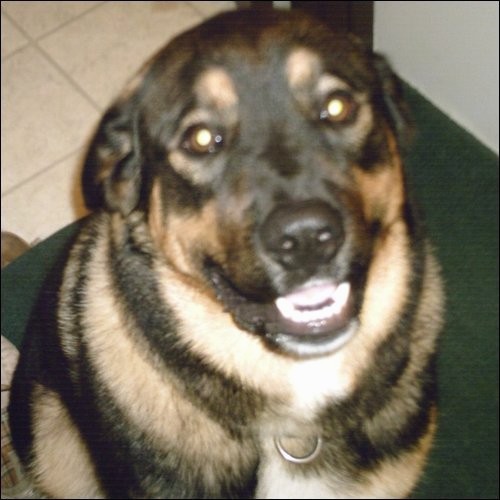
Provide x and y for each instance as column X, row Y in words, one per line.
column 314, row 319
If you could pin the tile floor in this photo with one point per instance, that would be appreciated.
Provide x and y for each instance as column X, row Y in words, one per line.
column 62, row 63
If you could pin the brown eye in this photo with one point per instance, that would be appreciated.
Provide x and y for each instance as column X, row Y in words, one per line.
column 201, row 139
column 339, row 107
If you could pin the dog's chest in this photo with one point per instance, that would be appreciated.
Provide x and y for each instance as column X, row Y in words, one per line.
column 279, row 479
column 286, row 452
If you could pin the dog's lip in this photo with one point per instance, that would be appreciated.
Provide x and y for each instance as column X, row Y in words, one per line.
column 313, row 318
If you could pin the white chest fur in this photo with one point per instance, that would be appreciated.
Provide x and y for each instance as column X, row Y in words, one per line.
column 277, row 480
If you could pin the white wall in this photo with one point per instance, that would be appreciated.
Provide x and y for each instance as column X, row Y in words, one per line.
column 449, row 52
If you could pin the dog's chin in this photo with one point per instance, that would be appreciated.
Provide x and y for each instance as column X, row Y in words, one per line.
column 315, row 319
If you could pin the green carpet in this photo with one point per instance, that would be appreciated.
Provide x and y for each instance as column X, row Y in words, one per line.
column 456, row 179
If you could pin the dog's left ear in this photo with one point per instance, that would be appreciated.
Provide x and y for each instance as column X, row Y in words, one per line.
column 392, row 100
column 112, row 170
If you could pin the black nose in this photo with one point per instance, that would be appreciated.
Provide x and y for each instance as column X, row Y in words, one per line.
column 302, row 235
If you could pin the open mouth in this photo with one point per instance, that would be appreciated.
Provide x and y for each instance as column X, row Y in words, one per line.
column 314, row 319
column 315, row 305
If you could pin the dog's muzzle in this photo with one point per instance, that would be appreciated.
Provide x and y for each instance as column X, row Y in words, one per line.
column 316, row 316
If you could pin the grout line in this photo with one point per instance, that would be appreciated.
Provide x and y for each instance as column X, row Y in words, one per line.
column 17, row 51
column 73, row 83
column 42, row 171
column 33, row 42
column 69, row 79
column 69, row 21
column 53, row 30
column 28, row 40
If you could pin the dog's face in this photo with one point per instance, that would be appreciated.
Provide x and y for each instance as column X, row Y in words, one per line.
column 265, row 153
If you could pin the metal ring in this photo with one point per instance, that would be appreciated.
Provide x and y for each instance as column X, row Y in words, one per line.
column 299, row 460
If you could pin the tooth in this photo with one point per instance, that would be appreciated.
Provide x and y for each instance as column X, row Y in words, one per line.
column 291, row 309
column 285, row 307
column 341, row 295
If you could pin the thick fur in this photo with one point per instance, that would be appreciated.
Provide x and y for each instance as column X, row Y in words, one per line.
column 160, row 368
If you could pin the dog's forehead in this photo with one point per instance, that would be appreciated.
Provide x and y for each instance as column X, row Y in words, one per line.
column 299, row 71
column 246, row 59
column 232, row 53
column 216, row 87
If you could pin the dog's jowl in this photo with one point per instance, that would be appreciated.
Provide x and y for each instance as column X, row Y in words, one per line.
column 253, row 308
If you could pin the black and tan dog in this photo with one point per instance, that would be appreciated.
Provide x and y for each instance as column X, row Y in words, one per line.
column 253, row 309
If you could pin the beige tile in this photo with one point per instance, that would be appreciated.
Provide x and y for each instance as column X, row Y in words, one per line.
column 46, row 203
column 43, row 117
column 12, row 38
column 104, row 48
column 207, row 9
column 38, row 18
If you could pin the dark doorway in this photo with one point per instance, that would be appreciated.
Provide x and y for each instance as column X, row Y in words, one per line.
column 354, row 17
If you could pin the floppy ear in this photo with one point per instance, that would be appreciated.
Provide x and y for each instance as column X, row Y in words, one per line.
column 112, row 171
column 393, row 102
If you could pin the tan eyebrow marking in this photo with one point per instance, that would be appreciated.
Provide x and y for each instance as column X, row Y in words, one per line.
column 215, row 88
column 302, row 68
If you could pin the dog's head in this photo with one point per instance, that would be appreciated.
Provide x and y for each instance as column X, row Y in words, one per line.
column 265, row 152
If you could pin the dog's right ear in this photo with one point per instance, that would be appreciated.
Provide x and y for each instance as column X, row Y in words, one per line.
column 112, row 170
column 392, row 99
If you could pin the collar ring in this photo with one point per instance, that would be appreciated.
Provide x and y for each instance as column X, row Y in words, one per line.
column 304, row 459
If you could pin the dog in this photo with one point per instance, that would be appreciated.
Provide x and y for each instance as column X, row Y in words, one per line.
column 253, row 309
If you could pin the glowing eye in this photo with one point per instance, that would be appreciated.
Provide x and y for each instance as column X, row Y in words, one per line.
column 336, row 107
column 339, row 107
column 200, row 139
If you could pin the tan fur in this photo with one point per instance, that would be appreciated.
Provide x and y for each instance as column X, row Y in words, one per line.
column 173, row 235
column 182, row 231
column 396, row 478
column 382, row 190
column 62, row 467
column 385, row 294
column 215, row 89
column 432, row 302
column 156, row 216
column 144, row 390
column 212, row 333
column 302, row 68
column 186, row 166
column 69, row 344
